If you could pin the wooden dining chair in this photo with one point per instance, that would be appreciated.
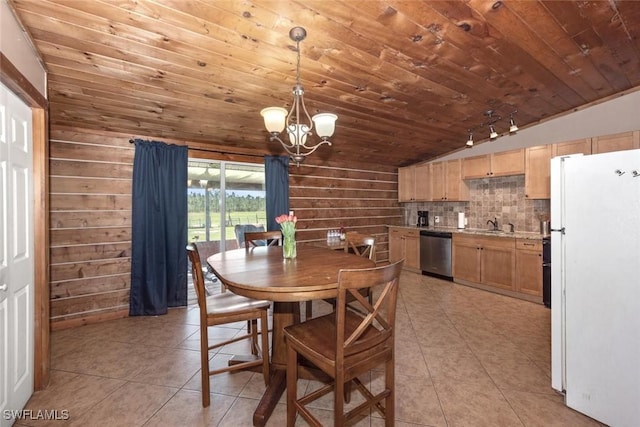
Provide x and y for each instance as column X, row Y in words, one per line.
column 262, row 238
column 346, row 344
column 226, row 308
column 361, row 245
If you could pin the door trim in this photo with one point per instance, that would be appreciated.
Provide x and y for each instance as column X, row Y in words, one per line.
column 11, row 77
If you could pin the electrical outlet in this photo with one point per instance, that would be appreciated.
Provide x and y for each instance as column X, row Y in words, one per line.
column 437, row 220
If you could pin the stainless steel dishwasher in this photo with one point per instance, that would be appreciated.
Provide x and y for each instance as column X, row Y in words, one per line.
column 435, row 253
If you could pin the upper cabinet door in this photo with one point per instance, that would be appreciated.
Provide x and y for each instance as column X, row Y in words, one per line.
column 537, row 176
column 476, row 167
column 579, row 146
column 455, row 188
column 618, row 142
column 406, row 184
column 506, row 163
column 423, row 182
column 438, row 190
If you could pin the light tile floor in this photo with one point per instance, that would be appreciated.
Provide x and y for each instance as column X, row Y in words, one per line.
column 465, row 357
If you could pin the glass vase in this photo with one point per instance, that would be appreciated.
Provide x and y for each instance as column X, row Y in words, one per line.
column 289, row 246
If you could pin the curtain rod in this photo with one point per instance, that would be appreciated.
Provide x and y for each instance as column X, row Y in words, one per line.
column 131, row 141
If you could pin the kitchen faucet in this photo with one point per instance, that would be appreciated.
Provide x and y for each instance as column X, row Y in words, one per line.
column 494, row 223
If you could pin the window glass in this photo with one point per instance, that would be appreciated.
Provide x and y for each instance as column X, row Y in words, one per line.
column 222, row 195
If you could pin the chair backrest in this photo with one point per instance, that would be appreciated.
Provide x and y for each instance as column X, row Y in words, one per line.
column 196, row 274
column 262, row 238
column 361, row 245
column 375, row 332
column 240, row 229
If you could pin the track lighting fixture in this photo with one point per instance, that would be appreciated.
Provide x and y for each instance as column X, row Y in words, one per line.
column 492, row 119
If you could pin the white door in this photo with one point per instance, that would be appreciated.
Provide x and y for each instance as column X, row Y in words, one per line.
column 16, row 255
column 602, row 290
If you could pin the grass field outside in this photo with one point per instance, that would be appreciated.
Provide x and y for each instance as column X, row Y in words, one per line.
column 196, row 230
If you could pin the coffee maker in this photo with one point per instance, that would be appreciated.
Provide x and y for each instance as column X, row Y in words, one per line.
column 423, row 218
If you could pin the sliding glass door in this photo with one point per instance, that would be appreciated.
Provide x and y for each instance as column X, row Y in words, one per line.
column 222, row 195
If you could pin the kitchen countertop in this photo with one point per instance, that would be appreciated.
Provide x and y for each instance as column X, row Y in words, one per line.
column 476, row 231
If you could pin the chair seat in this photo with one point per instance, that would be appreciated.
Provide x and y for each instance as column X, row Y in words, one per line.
column 229, row 302
column 306, row 339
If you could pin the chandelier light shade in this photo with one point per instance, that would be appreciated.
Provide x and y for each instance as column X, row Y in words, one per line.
column 274, row 118
column 297, row 121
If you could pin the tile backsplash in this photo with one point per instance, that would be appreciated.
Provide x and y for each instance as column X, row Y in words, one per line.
column 489, row 198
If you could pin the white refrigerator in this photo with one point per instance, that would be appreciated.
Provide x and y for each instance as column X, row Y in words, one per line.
column 595, row 284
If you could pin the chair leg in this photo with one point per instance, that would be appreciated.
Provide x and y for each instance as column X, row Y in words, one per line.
column 347, row 392
column 308, row 310
column 264, row 324
column 389, row 404
column 292, row 382
column 338, row 401
column 204, row 365
column 252, row 326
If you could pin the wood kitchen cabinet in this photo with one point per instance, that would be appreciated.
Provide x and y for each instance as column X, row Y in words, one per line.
column 414, row 183
column 465, row 258
column 423, row 182
column 529, row 267
column 447, row 183
column 537, row 172
column 405, row 243
column 406, row 184
column 618, row 142
column 502, row 264
column 482, row 260
column 504, row 163
column 579, row 146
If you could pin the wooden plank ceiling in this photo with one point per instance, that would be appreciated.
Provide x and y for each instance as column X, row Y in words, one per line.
column 406, row 78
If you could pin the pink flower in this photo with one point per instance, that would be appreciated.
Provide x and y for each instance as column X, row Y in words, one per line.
column 286, row 218
column 287, row 224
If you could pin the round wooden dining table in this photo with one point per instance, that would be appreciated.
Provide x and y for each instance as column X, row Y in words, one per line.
column 262, row 273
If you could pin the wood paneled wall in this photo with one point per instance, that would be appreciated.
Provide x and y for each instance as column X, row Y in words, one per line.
column 90, row 219
column 358, row 197
column 90, row 216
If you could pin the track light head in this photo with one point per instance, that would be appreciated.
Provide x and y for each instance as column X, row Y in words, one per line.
column 513, row 128
column 492, row 132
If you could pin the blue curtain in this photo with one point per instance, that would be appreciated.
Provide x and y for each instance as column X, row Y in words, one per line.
column 276, row 176
column 159, row 228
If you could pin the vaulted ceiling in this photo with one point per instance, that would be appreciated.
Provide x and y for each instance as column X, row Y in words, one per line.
column 407, row 78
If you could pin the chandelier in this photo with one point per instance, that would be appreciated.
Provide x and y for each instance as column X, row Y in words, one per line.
column 275, row 118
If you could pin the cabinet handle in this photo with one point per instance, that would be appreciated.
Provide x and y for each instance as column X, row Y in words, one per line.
column 529, row 244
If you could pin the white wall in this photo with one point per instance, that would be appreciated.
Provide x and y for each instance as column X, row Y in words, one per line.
column 17, row 48
column 620, row 114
